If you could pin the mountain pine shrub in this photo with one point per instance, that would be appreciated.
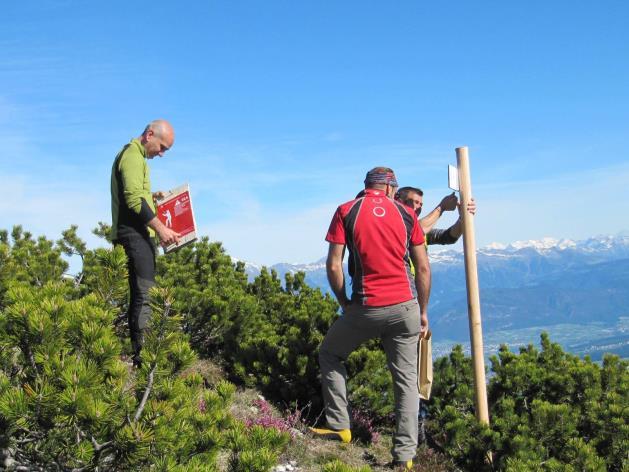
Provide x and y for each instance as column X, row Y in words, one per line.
column 68, row 399
column 549, row 410
column 266, row 334
column 338, row 466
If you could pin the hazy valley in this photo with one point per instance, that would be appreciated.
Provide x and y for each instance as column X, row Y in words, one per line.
column 578, row 291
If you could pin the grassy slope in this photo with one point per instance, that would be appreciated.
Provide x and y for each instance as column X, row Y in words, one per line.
column 310, row 453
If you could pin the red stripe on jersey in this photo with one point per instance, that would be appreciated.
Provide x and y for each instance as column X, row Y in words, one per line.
column 378, row 233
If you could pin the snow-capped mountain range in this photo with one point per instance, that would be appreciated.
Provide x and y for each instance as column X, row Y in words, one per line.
column 578, row 290
column 566, row 251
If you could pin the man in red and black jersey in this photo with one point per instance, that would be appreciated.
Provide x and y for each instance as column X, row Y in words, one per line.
column 387, row 301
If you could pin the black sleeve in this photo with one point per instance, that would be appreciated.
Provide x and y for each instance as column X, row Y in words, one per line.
column 440, row 236
column 146, row 214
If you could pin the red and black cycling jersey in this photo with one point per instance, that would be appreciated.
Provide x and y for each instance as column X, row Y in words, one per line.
column 378, row 232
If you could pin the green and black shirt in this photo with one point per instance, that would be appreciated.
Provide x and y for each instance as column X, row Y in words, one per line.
column 132, row 204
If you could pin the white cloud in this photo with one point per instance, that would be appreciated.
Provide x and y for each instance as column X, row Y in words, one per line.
column 575, row 206
column 268, row 237
column 269, row 204
column 49, row 210
column 40, row 190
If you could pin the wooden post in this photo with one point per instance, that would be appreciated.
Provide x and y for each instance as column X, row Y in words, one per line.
column 471, row 278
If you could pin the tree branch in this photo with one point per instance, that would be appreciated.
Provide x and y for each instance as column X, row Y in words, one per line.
column 29, row 355
column 78, row 279
column 147, row 392
column 99, row 447
column 26, row 440
column 98, row 451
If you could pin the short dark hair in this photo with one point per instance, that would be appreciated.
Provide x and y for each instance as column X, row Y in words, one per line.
column 402, row 193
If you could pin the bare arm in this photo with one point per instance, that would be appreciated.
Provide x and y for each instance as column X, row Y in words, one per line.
column 334, row 269
column 447, row 203
column 419, row 256
column 166, row 235
column 457, row 228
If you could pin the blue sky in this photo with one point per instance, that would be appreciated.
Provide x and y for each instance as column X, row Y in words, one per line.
column 281, row 107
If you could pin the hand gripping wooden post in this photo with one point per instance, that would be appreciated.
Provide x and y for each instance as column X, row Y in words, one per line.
column 471, row 278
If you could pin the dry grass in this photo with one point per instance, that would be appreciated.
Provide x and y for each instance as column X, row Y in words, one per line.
column 310, row 453
column 211, row 372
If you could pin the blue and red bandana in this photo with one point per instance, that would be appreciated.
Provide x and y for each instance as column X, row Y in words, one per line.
column 381, row 175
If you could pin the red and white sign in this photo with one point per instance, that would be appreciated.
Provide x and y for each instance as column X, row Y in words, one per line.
column 175, row 211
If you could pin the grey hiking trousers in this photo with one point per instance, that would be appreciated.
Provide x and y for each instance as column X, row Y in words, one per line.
column 398, row 328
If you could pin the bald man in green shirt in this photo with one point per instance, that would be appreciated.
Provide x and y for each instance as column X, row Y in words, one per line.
column 134, row 223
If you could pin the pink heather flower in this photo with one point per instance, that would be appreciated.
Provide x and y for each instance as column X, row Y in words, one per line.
column 266, row 419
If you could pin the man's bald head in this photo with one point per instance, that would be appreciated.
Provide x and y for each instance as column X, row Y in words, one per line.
column 157, row 138
column 160, row 128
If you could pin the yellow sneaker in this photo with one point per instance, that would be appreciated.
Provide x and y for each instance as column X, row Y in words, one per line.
column 403, row 465
column 343, row 435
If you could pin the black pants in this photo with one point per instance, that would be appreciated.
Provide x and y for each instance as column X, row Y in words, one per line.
column 140, row 251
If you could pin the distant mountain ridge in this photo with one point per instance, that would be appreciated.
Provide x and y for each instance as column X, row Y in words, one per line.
column 527, row 259
column 538, row 283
